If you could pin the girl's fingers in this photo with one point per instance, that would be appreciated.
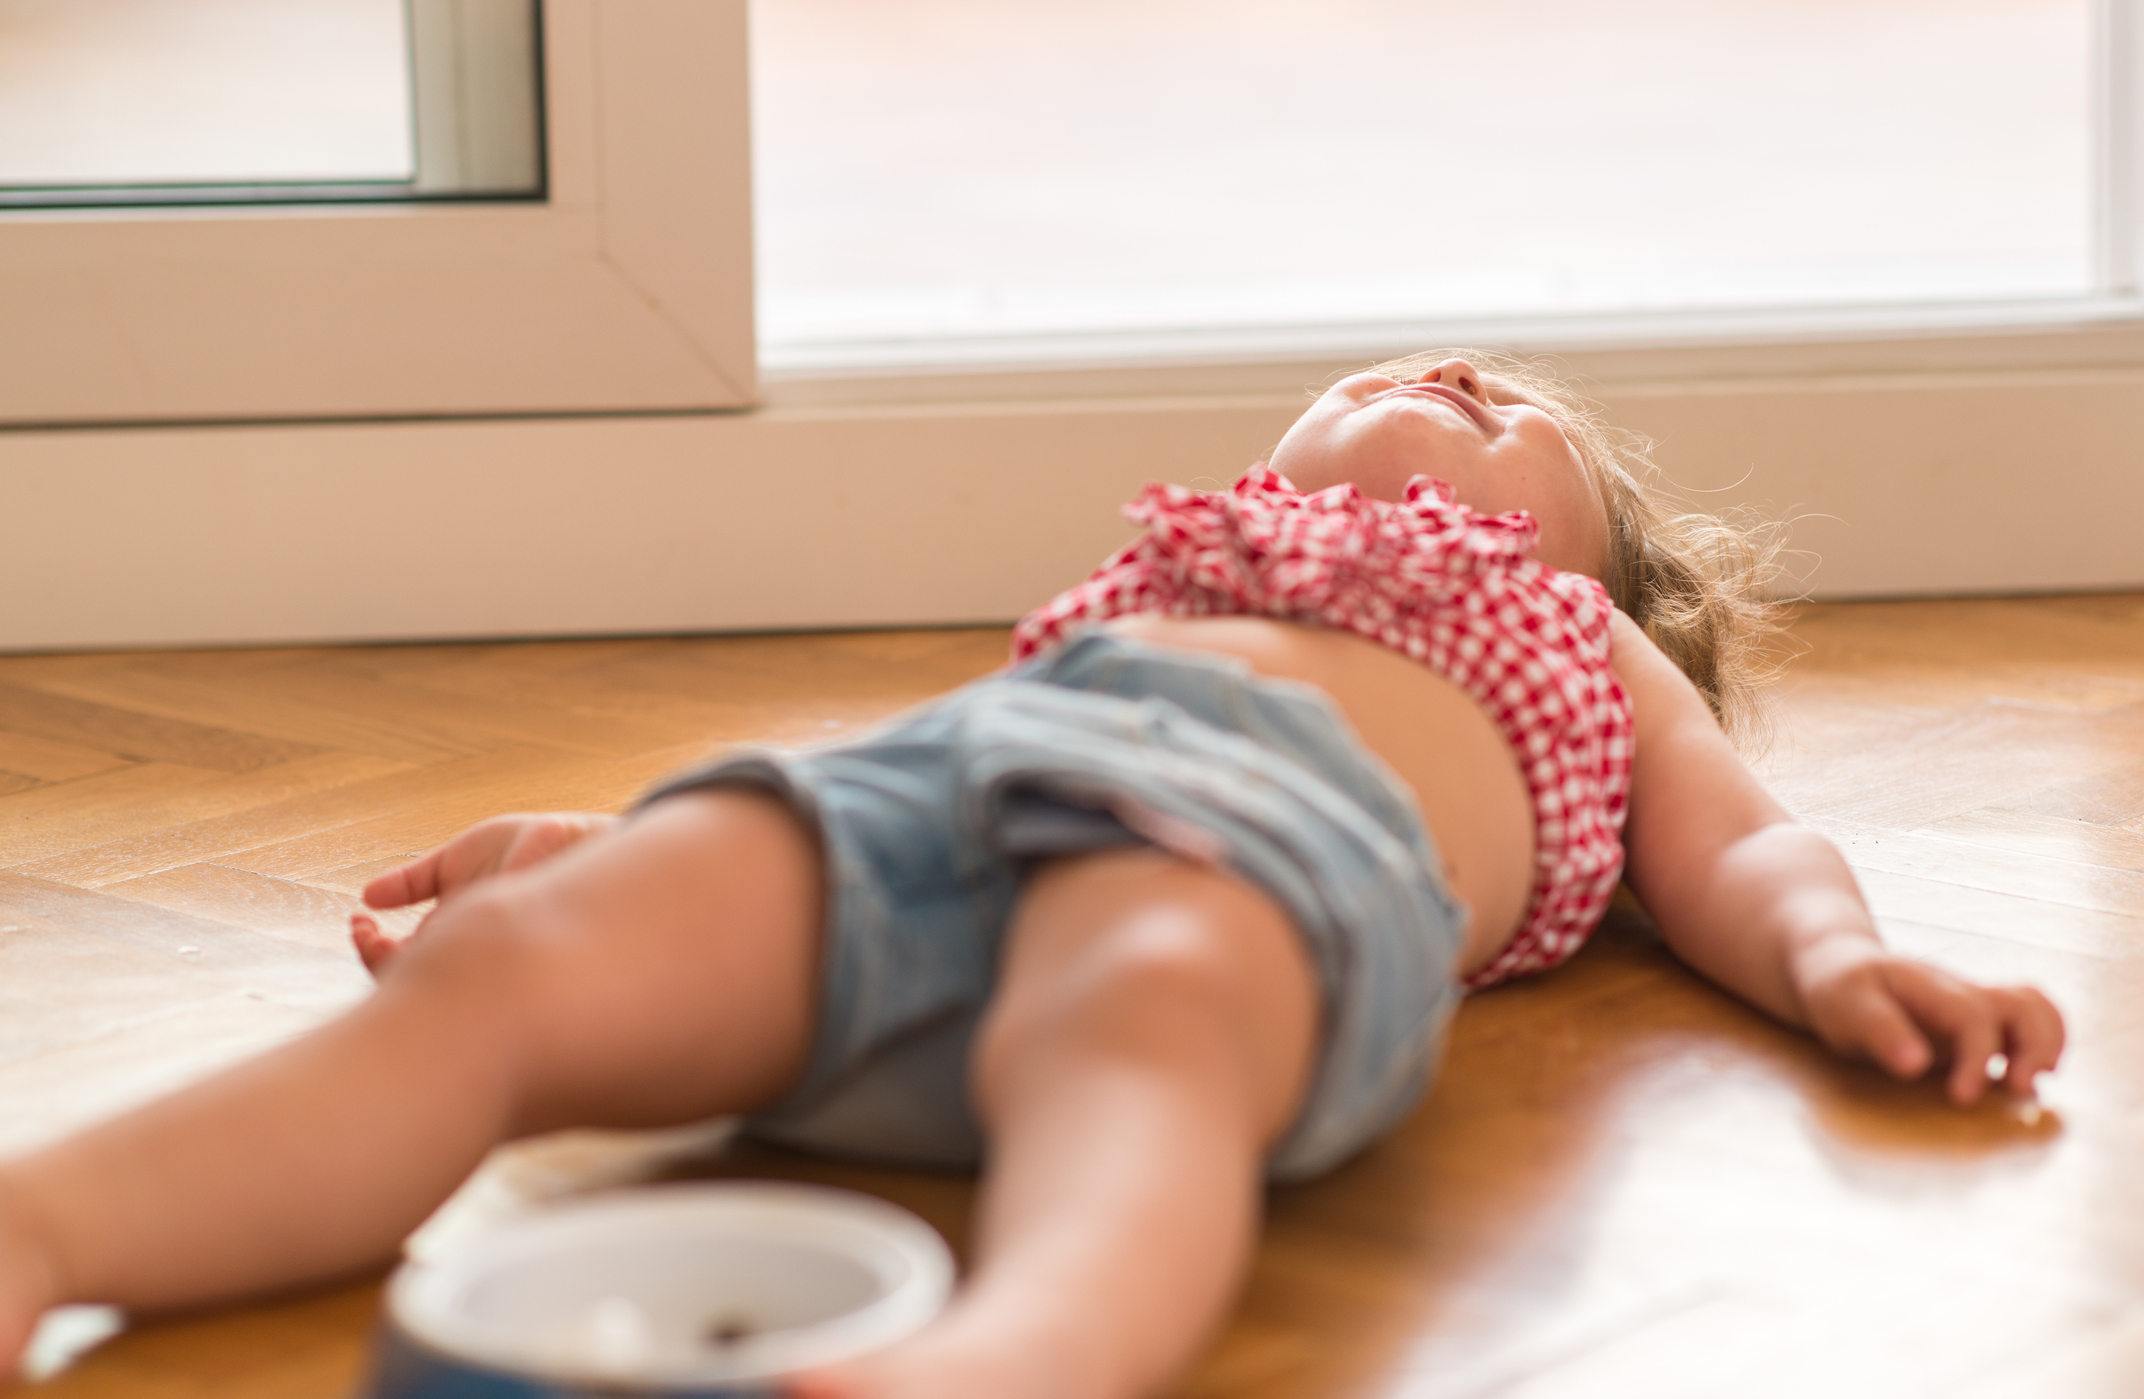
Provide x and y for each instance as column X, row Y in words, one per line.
column 1965, row 1017
column 2034, row 1036
column 1873, row 1023
column 374, row 948
column 406, row 884
column 487, row 848
column 1977, row 1041
column 438, row 872
column 1905, row 1014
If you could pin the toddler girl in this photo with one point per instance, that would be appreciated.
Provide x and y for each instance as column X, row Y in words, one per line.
column 1179, row 903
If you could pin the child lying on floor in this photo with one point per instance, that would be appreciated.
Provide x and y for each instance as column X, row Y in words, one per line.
column 1178, row 903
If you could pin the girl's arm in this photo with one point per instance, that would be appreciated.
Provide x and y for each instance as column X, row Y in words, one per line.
column 1769, row 909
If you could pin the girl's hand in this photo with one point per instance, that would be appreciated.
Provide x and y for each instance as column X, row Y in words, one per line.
column 1906, row 1015
column 497, row 846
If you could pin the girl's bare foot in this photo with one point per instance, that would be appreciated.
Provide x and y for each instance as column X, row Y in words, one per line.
column 965, row 1356
column 29, row 1283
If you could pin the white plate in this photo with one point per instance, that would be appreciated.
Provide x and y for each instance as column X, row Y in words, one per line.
column 679, row 1286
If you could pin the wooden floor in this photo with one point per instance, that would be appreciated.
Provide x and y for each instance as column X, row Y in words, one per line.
column 1623, row 1184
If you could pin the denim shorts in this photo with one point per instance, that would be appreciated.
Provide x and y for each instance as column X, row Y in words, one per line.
column 929, row 822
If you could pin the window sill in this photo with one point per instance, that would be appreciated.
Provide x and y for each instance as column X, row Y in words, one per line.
column 1622, row 352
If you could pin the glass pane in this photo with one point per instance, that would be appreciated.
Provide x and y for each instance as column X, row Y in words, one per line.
column 179, row 100
column 993, row 167
column 203, row 91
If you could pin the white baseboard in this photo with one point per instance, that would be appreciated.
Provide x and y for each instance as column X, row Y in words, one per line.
column 874, row 515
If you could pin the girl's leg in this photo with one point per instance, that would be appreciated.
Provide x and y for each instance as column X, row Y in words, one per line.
column 1152, row 1034
column 654, row 975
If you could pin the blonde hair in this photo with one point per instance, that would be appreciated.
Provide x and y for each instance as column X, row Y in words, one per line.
column 1695, row 583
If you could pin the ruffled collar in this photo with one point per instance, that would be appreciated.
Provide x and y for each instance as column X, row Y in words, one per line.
column 1265, row 539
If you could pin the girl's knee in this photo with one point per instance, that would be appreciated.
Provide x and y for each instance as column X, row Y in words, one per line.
column 1146, row 929
column 1164, row 965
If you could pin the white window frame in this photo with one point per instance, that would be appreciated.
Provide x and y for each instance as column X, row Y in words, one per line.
column 628, row 289
column 352, row 423
column 2118, row 148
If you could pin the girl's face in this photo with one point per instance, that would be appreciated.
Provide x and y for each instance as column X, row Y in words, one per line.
column 1499, row 451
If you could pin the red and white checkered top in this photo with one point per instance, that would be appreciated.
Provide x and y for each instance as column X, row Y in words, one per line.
column 1439, row 582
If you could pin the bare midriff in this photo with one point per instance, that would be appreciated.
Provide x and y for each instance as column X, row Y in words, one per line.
column 1435, row 738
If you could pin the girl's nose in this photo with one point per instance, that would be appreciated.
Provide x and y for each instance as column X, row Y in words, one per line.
column 1456, row 373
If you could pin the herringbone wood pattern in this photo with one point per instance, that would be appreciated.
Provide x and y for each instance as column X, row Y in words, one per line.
column 1623, row 1183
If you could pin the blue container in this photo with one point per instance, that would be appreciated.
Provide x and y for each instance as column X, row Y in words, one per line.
column 700, row 1291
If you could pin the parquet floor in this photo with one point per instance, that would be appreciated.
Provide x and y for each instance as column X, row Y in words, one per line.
column 1623, row 1184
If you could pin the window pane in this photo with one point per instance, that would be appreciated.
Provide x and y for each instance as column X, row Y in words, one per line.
column 128, row 92
column 177, row 101
column 957, row 167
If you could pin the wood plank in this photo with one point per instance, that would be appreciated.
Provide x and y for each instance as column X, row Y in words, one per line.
column 61, row 830
column 301, row 912
column 2048, row 880
column 1995, row 915
column 871, row 672
column 1982, row 634
column 34, row 668
column 233, row 699
column 352, row 879
column 2123, row 609
column 140, row 736
column 1910, row 768
column 2031, row 689
column 425, row 817
column 2110, row 796
column 181, row 943
column 2055, row 837
column 85, row 987
column 484, row 725
column 489, row 676
column 39, row 821
column 62, row 1091
column 309, row 1346
column 371, row 794
column 49, row 760
column 529, row 661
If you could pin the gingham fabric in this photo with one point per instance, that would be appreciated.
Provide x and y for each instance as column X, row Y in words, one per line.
column 1458, row 591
